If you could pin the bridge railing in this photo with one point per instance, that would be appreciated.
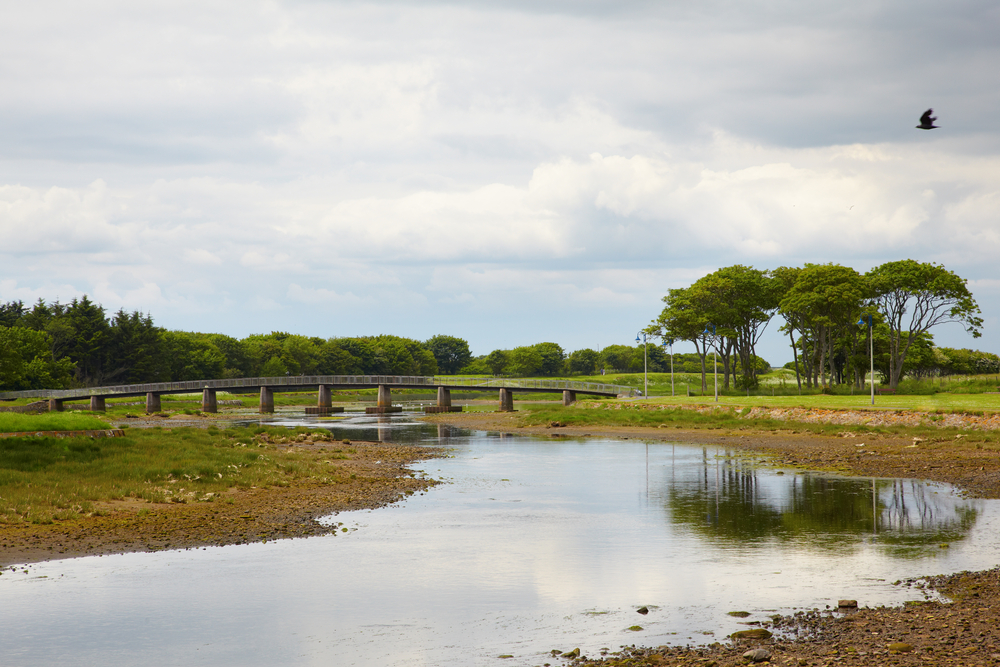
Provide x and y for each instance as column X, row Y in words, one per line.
column 190, row 386
column 518, row 383
column 340, row 381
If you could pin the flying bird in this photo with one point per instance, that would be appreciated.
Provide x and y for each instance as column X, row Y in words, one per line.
column 927, row 121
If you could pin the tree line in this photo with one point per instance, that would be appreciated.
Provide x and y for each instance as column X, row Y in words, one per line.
column 727, row 311
column 55, row 345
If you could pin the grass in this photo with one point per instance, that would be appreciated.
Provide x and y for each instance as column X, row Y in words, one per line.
column 43, row 480
column 728, row 417
column 924, row 403
column 11, row 422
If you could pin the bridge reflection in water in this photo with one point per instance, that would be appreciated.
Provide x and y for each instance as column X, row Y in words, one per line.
column 732, row 500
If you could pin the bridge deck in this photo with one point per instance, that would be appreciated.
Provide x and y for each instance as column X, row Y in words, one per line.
column 311, row 382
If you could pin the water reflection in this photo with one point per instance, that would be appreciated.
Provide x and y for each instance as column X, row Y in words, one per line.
column 733, row 500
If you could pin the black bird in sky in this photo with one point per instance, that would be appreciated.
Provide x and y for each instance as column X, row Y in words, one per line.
column 927, row 121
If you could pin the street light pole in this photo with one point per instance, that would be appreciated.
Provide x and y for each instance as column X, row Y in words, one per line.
column 670, row 342
column 645, row 372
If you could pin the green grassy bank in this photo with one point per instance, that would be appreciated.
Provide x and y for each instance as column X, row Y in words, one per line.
column 12, row 422
column 51, row 479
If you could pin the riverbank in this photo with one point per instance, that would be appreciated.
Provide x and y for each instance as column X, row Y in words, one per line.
column 965, row 631
column 969, row 459
column 367, row 475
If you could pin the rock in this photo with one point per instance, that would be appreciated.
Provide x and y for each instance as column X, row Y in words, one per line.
column 739, row 614
column 575, row 653
column 756, row 633
column 643, row 610
column 847, row 604
column 757, row 655
column 900, row 647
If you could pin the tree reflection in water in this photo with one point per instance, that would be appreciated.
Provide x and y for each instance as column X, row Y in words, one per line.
column 732, row 500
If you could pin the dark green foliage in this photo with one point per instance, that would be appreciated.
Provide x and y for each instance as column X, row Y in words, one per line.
column 451, row 353
column 34, row 454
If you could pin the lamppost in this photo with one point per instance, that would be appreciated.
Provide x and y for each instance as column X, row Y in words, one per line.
column 868, row 320
column 645, row 374
column 670, row 342
column 710, row 333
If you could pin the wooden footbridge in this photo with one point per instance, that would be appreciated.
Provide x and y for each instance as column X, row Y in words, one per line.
column 324, row 385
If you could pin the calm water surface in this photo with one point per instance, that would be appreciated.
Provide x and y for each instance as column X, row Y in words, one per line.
column 532, row 544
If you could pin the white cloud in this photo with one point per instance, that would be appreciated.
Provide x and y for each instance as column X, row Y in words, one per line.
column 224, row 165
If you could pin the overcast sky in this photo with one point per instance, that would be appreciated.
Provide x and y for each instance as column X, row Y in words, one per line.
column 505, row 172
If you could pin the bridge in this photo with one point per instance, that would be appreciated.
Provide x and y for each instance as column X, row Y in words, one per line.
column 324, row 385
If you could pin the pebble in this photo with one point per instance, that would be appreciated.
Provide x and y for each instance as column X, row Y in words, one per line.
column 757, row 655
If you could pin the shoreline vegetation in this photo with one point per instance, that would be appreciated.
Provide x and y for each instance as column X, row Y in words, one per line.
column 276, row 482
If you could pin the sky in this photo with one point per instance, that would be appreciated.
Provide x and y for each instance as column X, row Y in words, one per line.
column 505, row 172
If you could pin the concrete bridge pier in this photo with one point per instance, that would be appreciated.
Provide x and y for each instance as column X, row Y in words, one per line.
column 55, row 405
column 325, row 400
column 208, row 401
column 324, row 403
column 384, row 404
column 97, row 404
column 443, row 402
column 384, row 397
column 444, row 397
column 506, row 400
column 266, row 401
column 153, row 403
column 569, row 397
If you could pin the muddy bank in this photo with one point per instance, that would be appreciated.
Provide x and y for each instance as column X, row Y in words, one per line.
column 965, row 631
column 963, row 461
column 376, row 473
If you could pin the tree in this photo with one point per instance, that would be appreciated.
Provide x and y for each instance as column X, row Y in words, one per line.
column 617, row 357
column 523, row 361
column 584, row 361
column 496, row 361
column 91, row 332
column 11, row 313
column 745, row 300
column 684, row 318
column 135, row 350
column 915, row 296
column 450, row 353
column 25, row 362
column 823, row 303
column 192, row 356
column 552, row 357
